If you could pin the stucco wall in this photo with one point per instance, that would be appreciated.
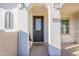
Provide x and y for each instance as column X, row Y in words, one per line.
column 14, row 11
column 54, row 30
column 8, row 37
column 76, row 29
column 8, row 43
column 23, row 24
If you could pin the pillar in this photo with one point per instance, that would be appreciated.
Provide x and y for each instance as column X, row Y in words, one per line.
column 23, row 32
column 54, row 43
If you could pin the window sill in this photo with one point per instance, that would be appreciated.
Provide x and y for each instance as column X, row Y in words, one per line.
column 9, row 30
column 65, row 34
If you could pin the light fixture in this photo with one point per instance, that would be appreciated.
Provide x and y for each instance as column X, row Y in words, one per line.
column 57, row 6
column 21, row 5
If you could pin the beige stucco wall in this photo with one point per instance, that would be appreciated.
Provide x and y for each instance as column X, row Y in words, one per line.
column 8, row 43
column 76, row 28
column 39, row 11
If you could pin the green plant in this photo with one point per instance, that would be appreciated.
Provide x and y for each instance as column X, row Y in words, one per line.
column 30, row 37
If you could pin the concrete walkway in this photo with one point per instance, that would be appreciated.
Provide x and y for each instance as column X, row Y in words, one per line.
column 39, row 49
column 70, row 49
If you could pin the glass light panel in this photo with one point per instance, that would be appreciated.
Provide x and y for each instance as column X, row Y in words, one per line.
column 38, row 24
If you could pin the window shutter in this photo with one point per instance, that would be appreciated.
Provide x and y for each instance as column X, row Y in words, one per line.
column 9, row 20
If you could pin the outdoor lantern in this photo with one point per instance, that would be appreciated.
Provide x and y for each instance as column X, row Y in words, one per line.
column 57, row 6
column 21, row 5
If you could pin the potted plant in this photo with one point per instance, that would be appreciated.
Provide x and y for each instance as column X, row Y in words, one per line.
column 30, row 37
column 30, row 41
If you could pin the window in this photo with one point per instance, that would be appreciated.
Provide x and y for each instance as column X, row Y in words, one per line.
column 38, row 24
column 65, row 26
column 9, row 20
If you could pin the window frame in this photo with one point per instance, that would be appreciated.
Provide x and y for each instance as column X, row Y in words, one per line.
column 66, row 21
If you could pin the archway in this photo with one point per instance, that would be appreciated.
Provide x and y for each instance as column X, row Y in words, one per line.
column 38, row 25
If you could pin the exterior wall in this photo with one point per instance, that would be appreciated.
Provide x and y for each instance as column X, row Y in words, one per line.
column 2, row 19
column 23, row 23
column 8, row 37
column 20, row 22
column 53, row 37
column 8, row 44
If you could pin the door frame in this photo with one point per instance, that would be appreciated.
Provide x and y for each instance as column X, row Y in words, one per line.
column 33, row 27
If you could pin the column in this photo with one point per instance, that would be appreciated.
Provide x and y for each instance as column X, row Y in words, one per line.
column 23, row 32
column 54, row 43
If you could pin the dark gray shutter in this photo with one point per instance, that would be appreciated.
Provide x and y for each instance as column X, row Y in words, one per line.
column 9, row 20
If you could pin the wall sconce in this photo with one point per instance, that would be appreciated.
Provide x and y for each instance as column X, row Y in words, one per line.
column 21, row 5
column 57, row 6
column 26, row 5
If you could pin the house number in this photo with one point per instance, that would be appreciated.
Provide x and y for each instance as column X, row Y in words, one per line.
column 56, row 20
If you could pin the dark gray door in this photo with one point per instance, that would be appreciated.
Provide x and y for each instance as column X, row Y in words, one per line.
column 38, row 28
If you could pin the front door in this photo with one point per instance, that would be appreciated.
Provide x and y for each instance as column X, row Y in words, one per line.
column 38, row 27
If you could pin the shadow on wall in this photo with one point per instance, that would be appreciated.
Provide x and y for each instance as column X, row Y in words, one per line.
column 53, row 51
column 24, row 44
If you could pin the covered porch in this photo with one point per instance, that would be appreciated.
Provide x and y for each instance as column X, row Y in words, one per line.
column 70, row 29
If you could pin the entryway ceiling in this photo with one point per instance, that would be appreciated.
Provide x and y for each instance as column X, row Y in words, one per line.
column 70, row 8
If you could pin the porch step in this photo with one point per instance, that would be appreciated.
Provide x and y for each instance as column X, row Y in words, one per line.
column 38, row 44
